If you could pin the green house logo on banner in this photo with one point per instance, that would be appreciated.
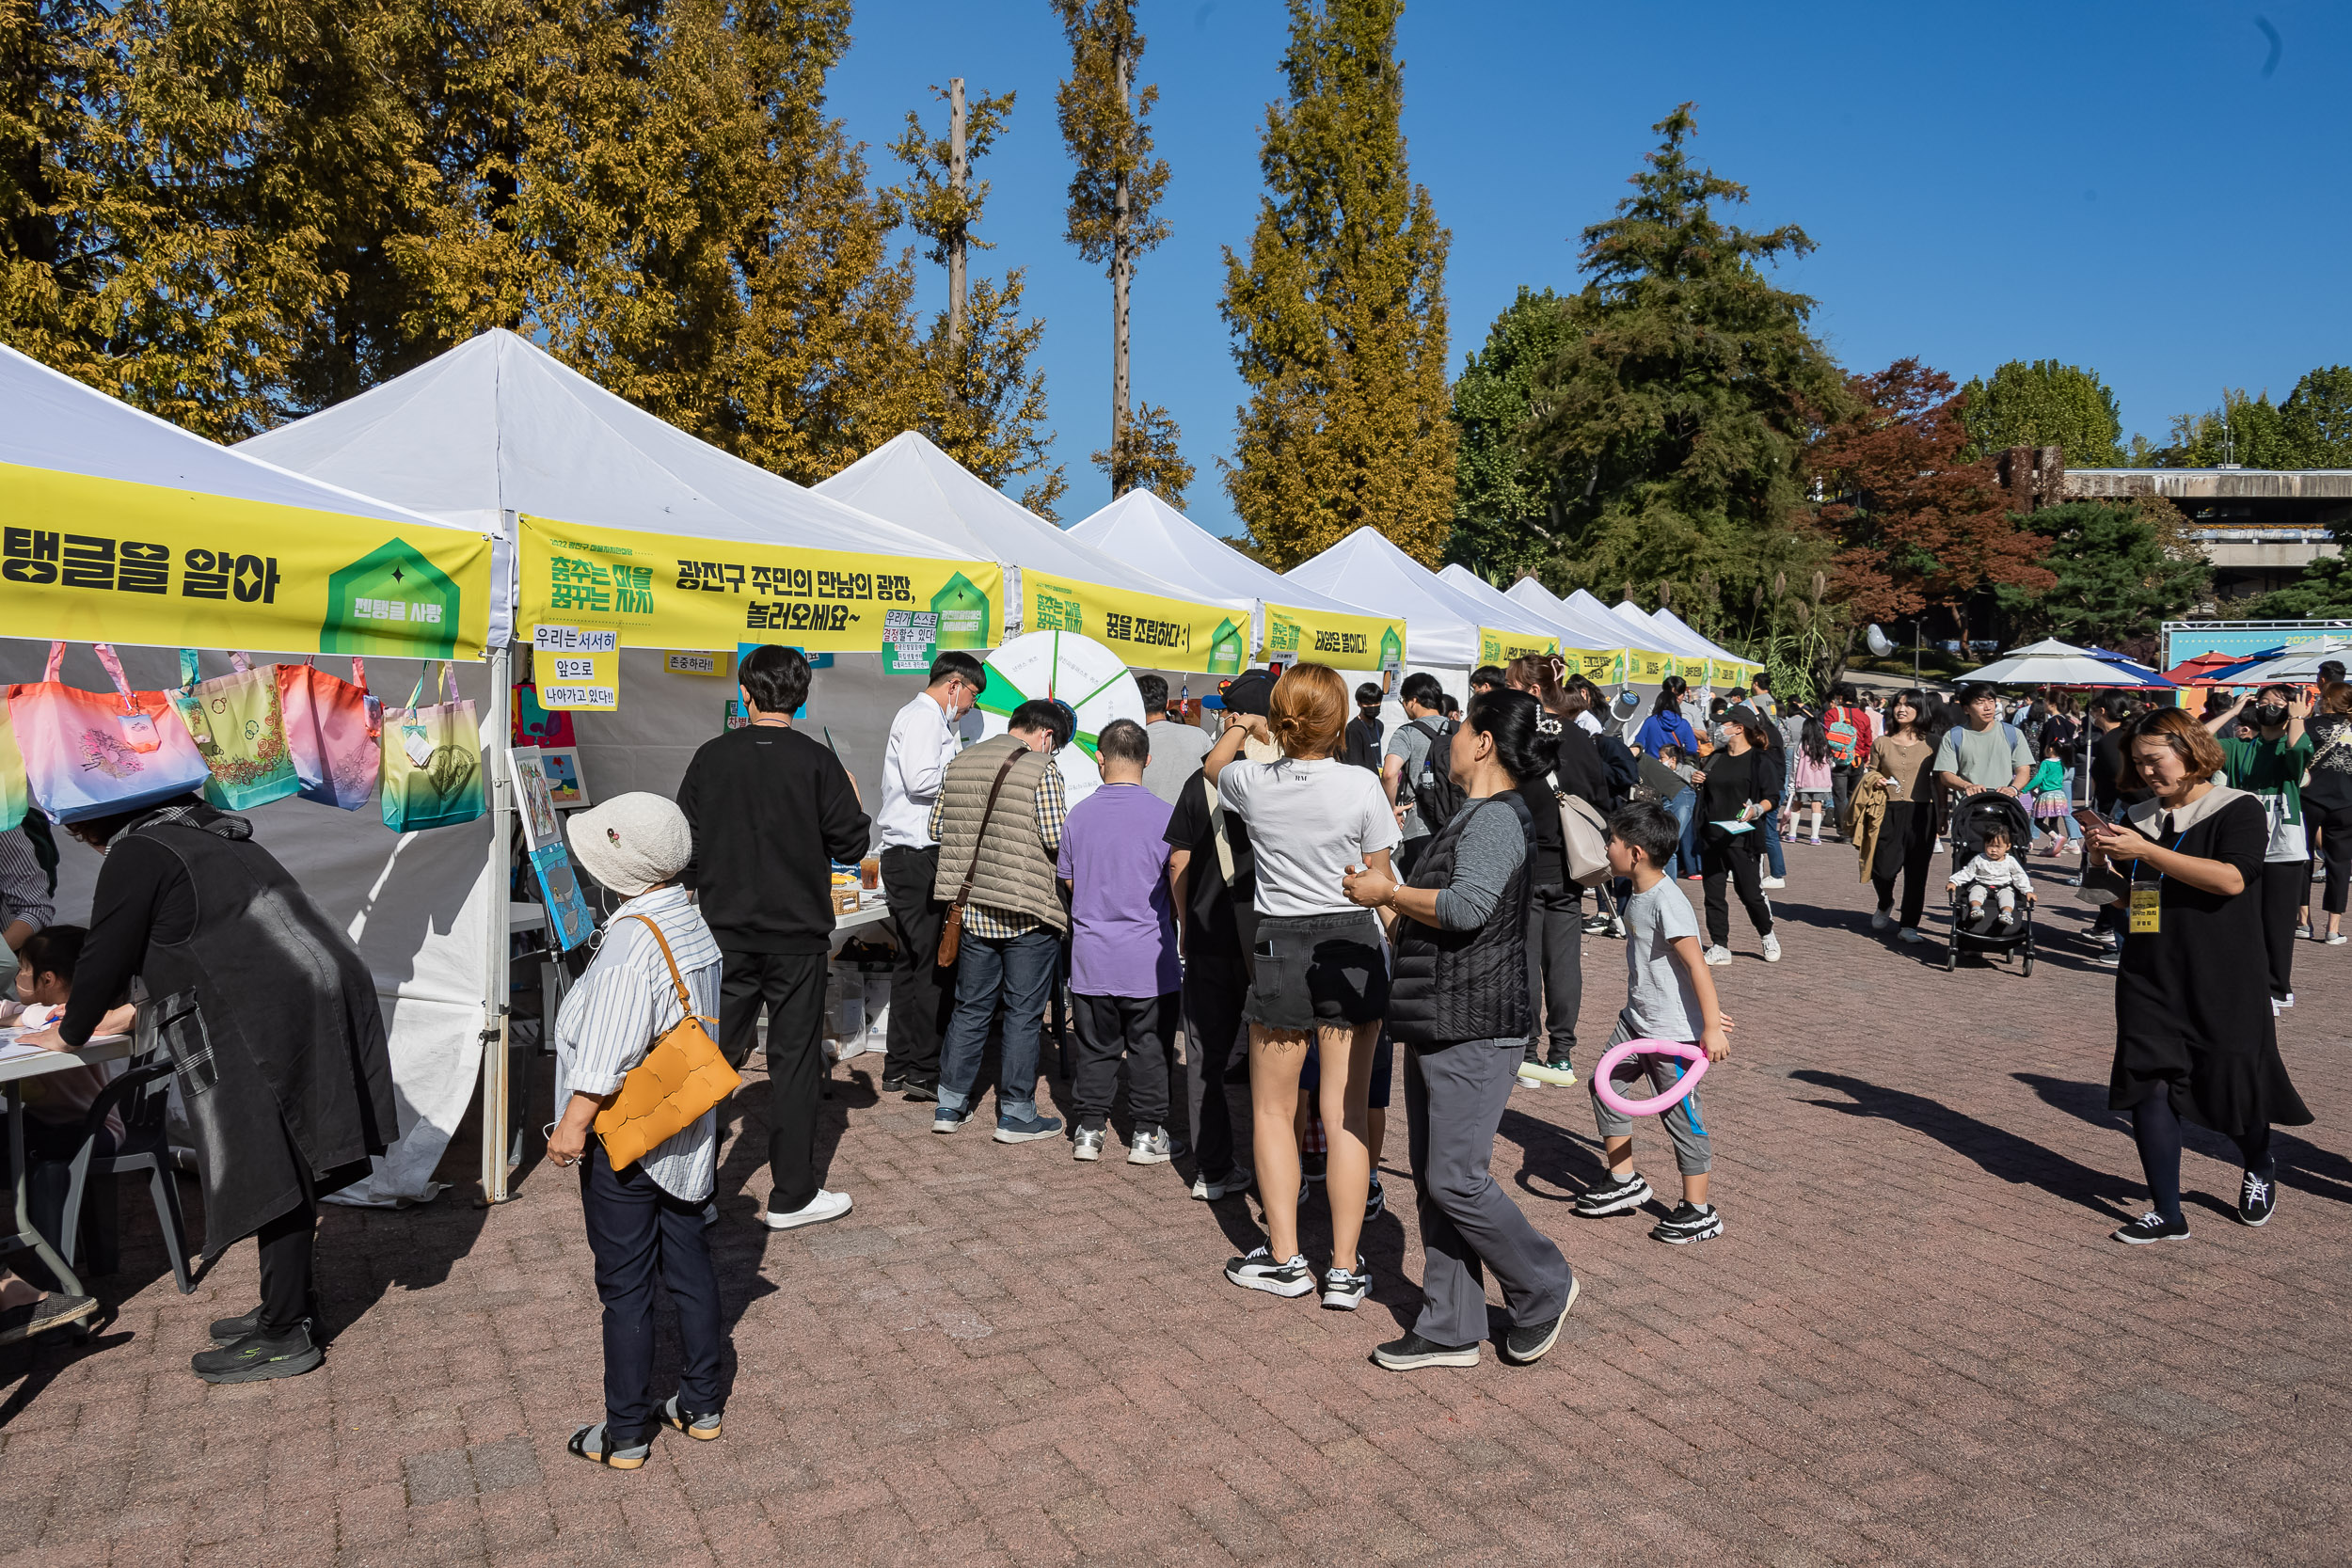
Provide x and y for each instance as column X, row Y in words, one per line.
column 1227, row 650
column 392, row 601
column 962, row 611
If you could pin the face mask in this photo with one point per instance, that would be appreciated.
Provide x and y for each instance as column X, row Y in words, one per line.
column 2270, row 713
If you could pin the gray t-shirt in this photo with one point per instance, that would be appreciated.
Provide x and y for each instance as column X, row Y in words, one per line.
column 1988, row 759
column 1411, row 741
column 1660, row 1003
column 1490, row 848
column 1176, row 752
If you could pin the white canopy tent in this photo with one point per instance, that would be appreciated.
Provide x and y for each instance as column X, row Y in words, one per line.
column 1584, row 628
column 416, row 905
column 1366, row 568
column 1666, row 618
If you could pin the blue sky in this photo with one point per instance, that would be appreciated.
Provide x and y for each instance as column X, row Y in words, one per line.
column 2117, row 186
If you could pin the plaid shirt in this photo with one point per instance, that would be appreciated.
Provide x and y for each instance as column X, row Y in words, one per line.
column 1053, row 810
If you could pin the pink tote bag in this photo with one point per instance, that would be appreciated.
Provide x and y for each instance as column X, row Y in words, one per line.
column 334, row 730
column 92, row 754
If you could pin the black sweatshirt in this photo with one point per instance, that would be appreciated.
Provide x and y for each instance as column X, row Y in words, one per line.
column 143, row 896
column 771, row 810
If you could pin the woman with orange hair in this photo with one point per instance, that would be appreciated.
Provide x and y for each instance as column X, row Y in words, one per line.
column 2195, row 1034
column 1319, row 969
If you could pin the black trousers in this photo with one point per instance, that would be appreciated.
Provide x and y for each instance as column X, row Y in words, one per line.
column 1139, row 1029
column 1555, row 971
column 922, row 994
column 2335, row 847
column 636, row 1231
column 1736, row 860
column 1906, row 845
column 788, row 988
column 1215, row 987
column 2285, row 885
column 289, row 1248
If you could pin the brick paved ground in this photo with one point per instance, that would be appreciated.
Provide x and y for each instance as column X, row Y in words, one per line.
column 1915, row 1345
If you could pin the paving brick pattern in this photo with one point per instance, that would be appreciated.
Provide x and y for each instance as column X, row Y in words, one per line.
column 1915, row 1344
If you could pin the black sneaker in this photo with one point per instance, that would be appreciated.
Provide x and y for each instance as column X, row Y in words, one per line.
column 1343, row 1290
column 928, row 1093
column 1260, row 1272
column 1310, row 1166
column 1403, row 1355
column 2256, row 1196
column 893, row 1082
column 1523, row 1345
column 2152, row 1226
column 227, row 1331
column 1687, row 1225
column 257, row 1358
column 1595, row 925
column 1614, row 1196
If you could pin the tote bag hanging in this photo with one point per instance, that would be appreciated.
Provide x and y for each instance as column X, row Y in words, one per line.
column 332, row 728
column 240, row 732
column 432, row 761
column 91, row 753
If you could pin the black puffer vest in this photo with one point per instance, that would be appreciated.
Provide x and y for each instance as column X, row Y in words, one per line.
column 1454, row 985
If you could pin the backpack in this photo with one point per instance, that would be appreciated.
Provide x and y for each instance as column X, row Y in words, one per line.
column 1436, row 796
column 1844, row 737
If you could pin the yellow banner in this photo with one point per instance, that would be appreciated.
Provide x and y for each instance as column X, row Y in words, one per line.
column 1725, row 671
column 1651, row 669
column 1496, row 646
column 105, row 560
column 666, row 592
column 1145, row 630
column 1341, row 641
column 1601, row 666
column 576, row 667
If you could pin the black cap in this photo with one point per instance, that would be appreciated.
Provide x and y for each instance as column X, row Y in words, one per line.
column 1249, row 692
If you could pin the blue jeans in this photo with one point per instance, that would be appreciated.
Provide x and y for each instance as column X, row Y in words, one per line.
column 1019, row 971
column 1685, row 807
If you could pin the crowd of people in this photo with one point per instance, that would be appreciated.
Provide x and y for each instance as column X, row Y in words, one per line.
column 1307, row 898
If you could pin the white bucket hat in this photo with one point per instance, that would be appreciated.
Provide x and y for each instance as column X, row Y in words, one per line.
column 632, row 842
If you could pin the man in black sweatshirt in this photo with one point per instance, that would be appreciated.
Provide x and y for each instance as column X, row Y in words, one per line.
column 771, row 810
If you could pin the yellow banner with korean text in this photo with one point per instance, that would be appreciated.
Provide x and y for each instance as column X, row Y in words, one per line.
column 662, row 590
column 1498, row 646
column 1650, row 668
column 1601, row 666
column 1341, row 641
column 93, row 560
column 1145, row 630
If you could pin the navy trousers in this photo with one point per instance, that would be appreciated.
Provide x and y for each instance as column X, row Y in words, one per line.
column 637, row 1230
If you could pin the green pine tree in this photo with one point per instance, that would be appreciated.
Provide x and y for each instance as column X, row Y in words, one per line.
column 1506, row 515
column 2116, row 579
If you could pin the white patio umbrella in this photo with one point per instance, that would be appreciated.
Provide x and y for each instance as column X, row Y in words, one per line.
column 2054, row 663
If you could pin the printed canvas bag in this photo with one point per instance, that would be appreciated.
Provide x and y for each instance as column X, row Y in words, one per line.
column 92, row 754
column 240, row 731
column 13, row 792
column 432, row 760
column 332, row 728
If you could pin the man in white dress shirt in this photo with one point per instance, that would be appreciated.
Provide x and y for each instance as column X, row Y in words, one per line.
column 923, row 741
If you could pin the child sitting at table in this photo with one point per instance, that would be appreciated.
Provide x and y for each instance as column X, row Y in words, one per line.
column 55, row 1105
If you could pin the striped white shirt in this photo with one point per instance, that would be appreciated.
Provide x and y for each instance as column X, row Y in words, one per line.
column 24, row 885
column 622, row 1003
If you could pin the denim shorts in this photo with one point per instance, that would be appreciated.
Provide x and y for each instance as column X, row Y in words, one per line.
column 1318, row 971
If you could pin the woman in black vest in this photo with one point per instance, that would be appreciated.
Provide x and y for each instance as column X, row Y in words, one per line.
column 1459, row 1003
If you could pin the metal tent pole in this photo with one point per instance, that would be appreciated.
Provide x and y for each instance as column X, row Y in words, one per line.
column 497, row 1160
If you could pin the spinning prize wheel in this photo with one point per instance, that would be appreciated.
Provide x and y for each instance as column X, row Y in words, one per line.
column 1072, row 668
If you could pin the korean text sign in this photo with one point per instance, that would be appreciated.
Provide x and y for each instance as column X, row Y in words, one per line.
column 1341, row 641
column 1145, row 630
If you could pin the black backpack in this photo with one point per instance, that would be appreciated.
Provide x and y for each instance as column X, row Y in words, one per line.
column 1436, row 796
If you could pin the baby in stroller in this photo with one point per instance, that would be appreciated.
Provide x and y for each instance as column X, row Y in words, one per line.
column 1994, row 876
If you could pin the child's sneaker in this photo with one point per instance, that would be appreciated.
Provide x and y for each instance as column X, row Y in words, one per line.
column 1343, row 1290
column 1614, row 1196
column 1688, row 1223
column 1260, row 1272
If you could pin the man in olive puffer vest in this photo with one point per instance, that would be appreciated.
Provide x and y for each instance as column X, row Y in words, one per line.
column 997, row 862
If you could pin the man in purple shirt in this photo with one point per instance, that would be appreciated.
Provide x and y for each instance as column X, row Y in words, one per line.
column 1124, row 971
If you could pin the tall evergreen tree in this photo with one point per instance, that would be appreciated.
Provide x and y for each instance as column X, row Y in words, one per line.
column 1338, row 313
column 2045, row 403
column 1114, row 198
column 2114, row 580
column 1676, row 413
column 1506, row 515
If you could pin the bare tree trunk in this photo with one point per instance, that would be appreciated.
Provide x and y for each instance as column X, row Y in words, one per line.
column 958, row 169
column 1123, row 268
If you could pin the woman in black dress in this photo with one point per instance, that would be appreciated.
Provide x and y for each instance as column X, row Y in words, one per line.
column 1740, row 781
column 2194, row 1034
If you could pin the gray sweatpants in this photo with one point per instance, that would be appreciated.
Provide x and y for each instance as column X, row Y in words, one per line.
column 1454, row 1101
column 1685, row 1122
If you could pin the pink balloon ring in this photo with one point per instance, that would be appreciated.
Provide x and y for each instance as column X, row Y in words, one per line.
column 1605, row 1092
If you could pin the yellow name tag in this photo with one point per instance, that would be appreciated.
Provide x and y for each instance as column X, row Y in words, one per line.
column 2146, row 911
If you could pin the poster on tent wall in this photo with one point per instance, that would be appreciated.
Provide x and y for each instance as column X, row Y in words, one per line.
column 1343, row 641
column 1497, row 646
column 666, row 592
column 106, row 561
column 1146, row 631
column 1651, row 669
column 1601, row 666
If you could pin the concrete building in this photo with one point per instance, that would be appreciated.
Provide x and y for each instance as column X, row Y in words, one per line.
column 2259, row 526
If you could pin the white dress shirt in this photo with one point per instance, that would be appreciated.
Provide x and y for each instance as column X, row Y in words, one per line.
column 923, row 742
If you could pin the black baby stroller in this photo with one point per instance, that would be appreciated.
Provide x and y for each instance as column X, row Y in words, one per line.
column 1971, row 821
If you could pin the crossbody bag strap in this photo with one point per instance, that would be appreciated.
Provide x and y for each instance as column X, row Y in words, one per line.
column 963, row 894
column 1216, row 830
column 685, row 997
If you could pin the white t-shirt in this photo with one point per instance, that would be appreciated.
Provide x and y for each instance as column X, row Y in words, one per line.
column 1309, row 822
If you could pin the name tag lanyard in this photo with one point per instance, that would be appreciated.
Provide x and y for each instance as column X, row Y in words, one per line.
column 2147, row 908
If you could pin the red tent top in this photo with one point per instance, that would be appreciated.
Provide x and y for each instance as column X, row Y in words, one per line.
column 2190, row 672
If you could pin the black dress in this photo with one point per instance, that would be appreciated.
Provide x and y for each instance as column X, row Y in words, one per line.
column 2192, row 999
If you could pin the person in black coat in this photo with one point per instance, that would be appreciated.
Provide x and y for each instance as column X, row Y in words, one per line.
column 1573, row 766
column 1740, row 781
column 271, row 1020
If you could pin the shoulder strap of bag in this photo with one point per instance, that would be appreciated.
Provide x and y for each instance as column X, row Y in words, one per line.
column 1216, row 830
column 963, row 894
column 685, row 997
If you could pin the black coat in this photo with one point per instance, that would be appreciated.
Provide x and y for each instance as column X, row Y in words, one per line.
column 268, row 1011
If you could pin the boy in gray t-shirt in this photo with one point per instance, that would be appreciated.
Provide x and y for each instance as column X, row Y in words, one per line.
column 1670, row 996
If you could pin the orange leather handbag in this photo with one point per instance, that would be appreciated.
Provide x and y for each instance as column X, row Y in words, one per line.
column 684, row 1075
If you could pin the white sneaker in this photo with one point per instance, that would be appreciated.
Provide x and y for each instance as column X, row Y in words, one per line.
column 1880, row 919
column 1234, row 1181
column 1772, row 949
column 1719, row 956
column 1524, row 1081
column 1773, row 881
column 1088, row 1145
column 816, row 1210
column 1910, row 933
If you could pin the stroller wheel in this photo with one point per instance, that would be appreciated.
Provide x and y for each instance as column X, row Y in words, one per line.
column 2026, row 968
column 1951, row 958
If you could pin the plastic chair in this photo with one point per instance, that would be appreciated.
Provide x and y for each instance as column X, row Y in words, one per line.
column 144, row 1147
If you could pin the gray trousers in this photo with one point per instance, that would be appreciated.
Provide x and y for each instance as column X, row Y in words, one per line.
column 1555, row 969
column 1454, row 1101
column 1693, row 1154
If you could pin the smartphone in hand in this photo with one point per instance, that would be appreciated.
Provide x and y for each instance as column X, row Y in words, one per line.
column 2091, row 819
